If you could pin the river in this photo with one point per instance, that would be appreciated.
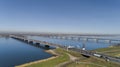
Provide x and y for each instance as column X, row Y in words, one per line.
column 13, row 52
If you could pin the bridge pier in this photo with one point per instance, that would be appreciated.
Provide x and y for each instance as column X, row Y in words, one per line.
column 66, row 38
column 50, row 36
column 92, row 39
column 47, row 46
column 26, row 40
column 58, row 37
column 96, row 40
column 72, row 38
column 38, row 44
column 55, row 37
column 22, row 39
column 30, row 42
column 85, row 39
column 61, row 37
column 79, row 39
column 108, row 41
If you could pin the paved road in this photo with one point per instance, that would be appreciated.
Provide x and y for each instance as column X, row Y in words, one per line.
column 103, row 56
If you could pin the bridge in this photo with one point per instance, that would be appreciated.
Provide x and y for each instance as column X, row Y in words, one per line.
column 47, row 44
column 77, row 37
column 85, row 38
column 36, row 42
column 82, row 51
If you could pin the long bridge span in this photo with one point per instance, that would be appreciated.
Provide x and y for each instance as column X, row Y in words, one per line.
column 36, row 42
column 85, row 38
column 82, row 51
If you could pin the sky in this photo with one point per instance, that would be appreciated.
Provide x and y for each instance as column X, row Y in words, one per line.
column 61, row 16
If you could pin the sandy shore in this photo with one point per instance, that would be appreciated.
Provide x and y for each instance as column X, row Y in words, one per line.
column 55, row 55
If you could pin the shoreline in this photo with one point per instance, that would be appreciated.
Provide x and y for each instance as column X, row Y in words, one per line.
column 55, row 55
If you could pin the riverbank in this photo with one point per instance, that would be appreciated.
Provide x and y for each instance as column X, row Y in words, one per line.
column 55, row 55
column 58, row 57
column 64, row 58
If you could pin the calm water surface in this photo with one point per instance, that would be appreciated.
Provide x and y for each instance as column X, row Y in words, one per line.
column 13, row 52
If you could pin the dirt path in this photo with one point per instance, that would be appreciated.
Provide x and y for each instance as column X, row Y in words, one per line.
column 72, row 59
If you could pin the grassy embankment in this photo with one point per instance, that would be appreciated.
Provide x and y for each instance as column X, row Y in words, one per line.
column 93, row 62
column 83, row 62
column 112, row 51
column 61, row 57
column 97, row 62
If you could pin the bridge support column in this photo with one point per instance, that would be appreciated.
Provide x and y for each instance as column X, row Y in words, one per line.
column 86, row 39
column 108, row 41
column 61, row 37
column 26, row 41
column 96, row 40
column 37, row 44
column 65, row 38
column 47, row 46
column 71, row 38
column 55, row 37
column 79, row 39
column 30, row 42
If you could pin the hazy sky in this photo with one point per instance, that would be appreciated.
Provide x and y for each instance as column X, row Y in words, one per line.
column 73, row 16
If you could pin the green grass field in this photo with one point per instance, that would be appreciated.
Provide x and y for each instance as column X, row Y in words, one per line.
column 93, row 62
column 112, row 51
column 51, row 63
